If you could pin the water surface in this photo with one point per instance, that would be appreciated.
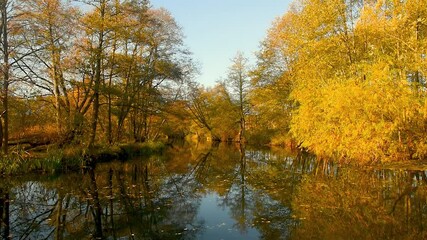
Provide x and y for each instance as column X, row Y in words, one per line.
column 224, row 192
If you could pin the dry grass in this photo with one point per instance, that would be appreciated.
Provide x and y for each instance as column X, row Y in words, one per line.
column 37, row 134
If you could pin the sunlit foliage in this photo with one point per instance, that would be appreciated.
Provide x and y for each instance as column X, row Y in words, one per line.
column 357, row 76
column 214, row 112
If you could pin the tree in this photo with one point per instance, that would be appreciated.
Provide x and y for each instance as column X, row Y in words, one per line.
column 214, row 110
column 123, row 55
column 354, row 77
column 9, row 27
column 49, row 34
column 271, row 86
column 238, row 81
column 167, row 61
column 96, row 26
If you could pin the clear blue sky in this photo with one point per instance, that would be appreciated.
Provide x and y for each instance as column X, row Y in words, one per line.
column 216, row 29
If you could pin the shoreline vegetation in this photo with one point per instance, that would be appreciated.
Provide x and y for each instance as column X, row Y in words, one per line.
column 40, row 157
column 51, row 160
column 54, row 160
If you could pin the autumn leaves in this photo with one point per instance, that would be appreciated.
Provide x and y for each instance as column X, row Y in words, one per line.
column 357, row 72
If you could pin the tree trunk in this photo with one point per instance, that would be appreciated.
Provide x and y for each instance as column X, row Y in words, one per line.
column 6, row 68
column 56, row 73
column 98, row 69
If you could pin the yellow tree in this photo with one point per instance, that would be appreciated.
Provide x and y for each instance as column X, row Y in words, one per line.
column 238, row 82
column 213, row 109
column 351, row 67
column 270, row 90
column 355, row 101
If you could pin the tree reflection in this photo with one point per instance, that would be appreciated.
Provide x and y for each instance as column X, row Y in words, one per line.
column 5, row 213
column 267, row 195
column 361, row 204
column 95, row 205
column 274, row 178
column 239, row 197
column 137, row 200
column 147, row 202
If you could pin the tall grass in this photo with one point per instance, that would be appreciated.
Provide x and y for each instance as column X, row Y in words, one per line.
column 73, row 157
column 21, row 162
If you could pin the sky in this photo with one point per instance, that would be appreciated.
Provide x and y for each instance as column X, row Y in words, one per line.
column 215, row 30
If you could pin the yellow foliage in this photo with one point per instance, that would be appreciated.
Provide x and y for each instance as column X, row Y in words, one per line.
column 357, row 72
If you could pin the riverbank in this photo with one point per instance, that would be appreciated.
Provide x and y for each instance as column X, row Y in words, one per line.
column 51, row 159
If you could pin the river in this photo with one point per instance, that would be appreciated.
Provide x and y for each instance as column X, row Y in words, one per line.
column 220, row 192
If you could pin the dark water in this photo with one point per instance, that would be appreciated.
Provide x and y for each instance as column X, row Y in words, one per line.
column 223, row 192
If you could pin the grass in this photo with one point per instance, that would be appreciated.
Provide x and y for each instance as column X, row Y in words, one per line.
column 71, row 158
column 142, row 149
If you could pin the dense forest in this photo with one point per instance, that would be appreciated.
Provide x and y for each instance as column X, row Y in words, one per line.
column 344, row 79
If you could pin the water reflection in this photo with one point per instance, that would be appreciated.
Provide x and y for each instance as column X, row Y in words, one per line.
column 363, row 205
column 4, row 213
column 227, row 192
